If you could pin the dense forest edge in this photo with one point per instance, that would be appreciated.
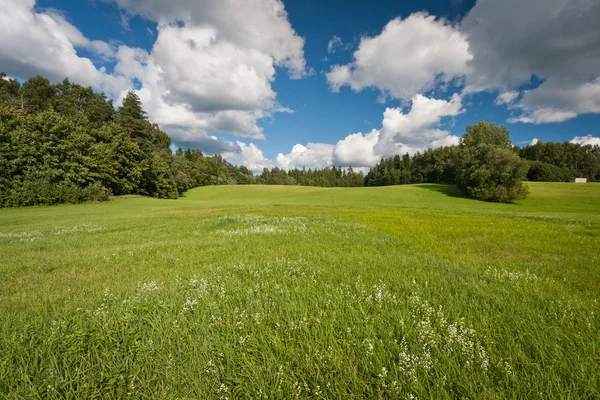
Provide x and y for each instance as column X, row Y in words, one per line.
column 65, row 143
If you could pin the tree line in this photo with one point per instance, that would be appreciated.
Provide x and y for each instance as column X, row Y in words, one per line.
column 326, row 177
column 65, row 143
column 561, row 162
column 486, row 166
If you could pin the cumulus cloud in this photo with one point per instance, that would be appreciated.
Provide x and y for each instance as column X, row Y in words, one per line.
column 585, row 140
column 45, row 43
column 262, row 25
column 313, row 155
column 210, row 69
column 557, row 41
column 212, row 65
column 534, row 141
column 558, row 101
column 194, row 83
column 401, row 133
column 419, row 127
column 410, row 56
column 449, row 140
column 357, row 150
column 250, row 156
column 211, row 74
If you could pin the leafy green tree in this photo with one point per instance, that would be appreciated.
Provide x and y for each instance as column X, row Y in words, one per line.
column 489, row 169
column 38, row 94
column 156, row 178
column 487, row 134
column 10, row 92
column 74, row 99
column 66, row 143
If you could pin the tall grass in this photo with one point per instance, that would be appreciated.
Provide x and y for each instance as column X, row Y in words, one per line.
column 175, row 301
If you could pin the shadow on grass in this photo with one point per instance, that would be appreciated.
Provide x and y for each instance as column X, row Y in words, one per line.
column 454, row 191
column 448, row 190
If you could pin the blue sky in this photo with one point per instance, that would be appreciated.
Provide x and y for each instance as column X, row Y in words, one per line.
column 254, row 83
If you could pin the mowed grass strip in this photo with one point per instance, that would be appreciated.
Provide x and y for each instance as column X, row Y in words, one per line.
column 293, row 292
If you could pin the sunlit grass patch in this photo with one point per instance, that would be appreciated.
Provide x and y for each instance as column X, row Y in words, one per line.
column 292, row 301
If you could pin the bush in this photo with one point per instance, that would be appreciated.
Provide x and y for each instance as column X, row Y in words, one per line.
column 490, row 170
column 42, row 192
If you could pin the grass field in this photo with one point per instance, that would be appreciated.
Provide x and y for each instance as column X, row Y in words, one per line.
column 295, row 292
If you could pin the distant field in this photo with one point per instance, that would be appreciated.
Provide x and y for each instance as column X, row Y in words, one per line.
column 295, row 292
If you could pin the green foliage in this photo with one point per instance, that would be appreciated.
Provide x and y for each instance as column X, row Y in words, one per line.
column 489, row 169
column 326, row 177
column 484, row 166
column 544, row 172
column 38, row 94
column 562, row 162
column 33, row 192
column 483, row 133
column 73, row 99
column 156, row 178
column 492, row 174
column 431, row 166
column 10, row 92
column 71, row 144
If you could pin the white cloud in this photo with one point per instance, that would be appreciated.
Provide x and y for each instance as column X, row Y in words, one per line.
column 557, row 41
column 262, row 25
column 212, row 65
column 357, row 150
column 210, row 69
column 544, row 116
column 557, row 101
column 313, row 155
column 534, row 141
column 401, row 133
column 449, row 140
column 193, row 83
column 506, row 97
column 410, row 56
column 417, row 128
column 249, row 156
column 211, row 74
column 334, row 43
column 585, row 140
column 44, row 43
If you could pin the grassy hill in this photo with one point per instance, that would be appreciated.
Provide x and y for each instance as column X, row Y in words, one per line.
column 245, row 291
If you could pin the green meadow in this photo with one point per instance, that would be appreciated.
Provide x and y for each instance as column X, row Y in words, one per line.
column 250, row 292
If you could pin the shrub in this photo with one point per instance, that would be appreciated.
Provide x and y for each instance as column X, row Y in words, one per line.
column 42, row 192
column 490, row 170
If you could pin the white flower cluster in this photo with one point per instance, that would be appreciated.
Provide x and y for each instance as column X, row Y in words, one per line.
column 32, row 236
column 512, row 276
column 264, row 225
column 22, row 236
column 87, row 228
column 148, row 287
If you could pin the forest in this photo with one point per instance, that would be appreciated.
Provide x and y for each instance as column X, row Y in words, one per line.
column 547, row 162
column 65, row 143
